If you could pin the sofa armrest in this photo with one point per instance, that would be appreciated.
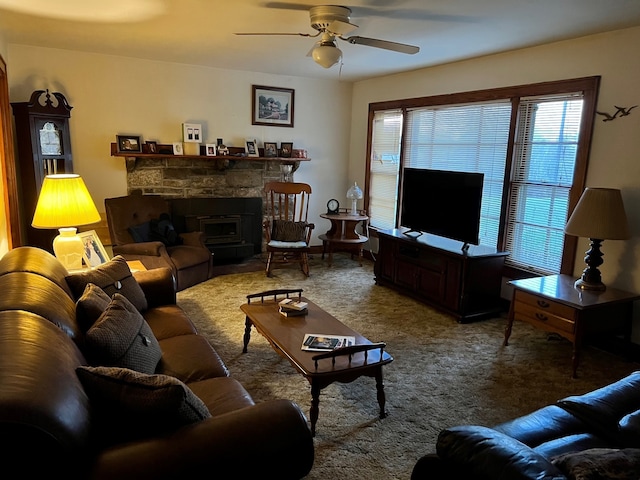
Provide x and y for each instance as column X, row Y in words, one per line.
column 149, row 249
column 159, row 286
column 489, row 454
column 268, row 439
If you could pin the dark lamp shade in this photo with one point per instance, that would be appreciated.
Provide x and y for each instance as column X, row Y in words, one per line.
column 599, row 214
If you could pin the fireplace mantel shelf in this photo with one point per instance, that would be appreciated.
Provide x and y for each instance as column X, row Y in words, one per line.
column 131, row 157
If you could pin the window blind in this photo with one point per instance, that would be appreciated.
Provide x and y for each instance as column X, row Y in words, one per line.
column 545, row 151
column 385, row 168
column 464, row 138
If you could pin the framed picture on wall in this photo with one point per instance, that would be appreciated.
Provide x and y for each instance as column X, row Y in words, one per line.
column 272, row 106
column 94, row 252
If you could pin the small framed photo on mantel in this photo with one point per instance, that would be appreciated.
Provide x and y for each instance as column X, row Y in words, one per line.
column 210, row 150
column 128, row 143
column 252, row 147
column 270, row 149
column 285, row 149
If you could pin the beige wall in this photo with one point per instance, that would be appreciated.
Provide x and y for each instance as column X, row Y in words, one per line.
column 615, row 154
column 118, row 95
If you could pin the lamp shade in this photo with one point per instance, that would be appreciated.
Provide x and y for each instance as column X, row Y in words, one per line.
column 599, row 214
column 64, row 201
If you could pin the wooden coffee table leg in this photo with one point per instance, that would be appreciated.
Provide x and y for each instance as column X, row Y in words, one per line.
column 315, row 407
column 247, row 333
column 380, row 392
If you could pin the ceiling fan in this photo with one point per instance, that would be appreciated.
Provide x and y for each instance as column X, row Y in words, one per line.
column 333, row 22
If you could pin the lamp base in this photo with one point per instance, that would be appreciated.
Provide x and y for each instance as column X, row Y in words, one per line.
column 68, row 248
column 584, row 285
column 591, row 278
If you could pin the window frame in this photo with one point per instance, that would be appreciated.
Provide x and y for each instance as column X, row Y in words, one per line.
column 589, row 87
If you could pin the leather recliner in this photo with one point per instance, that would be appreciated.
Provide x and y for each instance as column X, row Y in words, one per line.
column 190, row 260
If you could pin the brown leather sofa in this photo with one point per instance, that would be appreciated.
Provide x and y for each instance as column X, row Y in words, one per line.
column 595, row 435
column 48, row 422
column 190, row 260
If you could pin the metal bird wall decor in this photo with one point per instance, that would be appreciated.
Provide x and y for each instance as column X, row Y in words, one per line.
column 620, row 112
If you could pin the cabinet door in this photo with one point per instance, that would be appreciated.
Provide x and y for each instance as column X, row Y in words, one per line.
column 406, row 274
column 385, row 259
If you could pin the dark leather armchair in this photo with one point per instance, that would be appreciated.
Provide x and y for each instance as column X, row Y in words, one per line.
column 189, row 259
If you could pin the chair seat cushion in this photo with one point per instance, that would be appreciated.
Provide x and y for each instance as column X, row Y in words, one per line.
column 280, row 244
column 185, row 256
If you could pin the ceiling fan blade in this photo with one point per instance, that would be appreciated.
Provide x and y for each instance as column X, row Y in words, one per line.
column 287, row 6
column 387, row 45
column 338, row 27
column 276, row 33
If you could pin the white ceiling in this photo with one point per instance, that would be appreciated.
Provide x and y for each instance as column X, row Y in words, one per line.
column 201, row 32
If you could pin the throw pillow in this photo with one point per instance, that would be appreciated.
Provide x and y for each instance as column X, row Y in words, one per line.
column 121, row 337
column 113, row 276
column 162, row 230
column 288, row 231
column 91, row 305
column 600, row 464
column 140, row 233
column 128, row 405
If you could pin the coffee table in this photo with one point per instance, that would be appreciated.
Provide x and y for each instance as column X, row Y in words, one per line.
column 285, row 335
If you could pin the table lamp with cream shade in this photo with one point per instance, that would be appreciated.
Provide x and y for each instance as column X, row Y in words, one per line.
column 599, row 215
column 65, row 203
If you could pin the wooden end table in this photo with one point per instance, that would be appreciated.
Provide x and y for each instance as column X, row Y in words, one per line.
column 286, row 334
column 342, row 235
column 554, row 304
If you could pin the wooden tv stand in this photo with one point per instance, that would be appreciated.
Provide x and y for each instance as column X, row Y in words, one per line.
column 438, row 272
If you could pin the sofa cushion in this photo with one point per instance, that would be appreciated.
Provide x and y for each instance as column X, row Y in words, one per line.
column 490, row 454
column 113, row 276
column 91, row 305
column 288, row 231
column 600, row 464
column 128, row 405
column 162, row 230
column 140, row 232
column 602, row 409
column 121, row 337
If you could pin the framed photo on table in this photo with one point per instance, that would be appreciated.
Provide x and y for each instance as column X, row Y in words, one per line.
column 272, row 106
column 94, row 252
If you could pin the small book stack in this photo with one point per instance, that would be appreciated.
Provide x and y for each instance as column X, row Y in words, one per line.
column 292, row 308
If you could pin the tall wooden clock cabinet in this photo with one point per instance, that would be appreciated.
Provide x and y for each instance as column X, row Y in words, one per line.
column 44, row 148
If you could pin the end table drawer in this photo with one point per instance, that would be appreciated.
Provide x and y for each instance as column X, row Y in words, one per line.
column 548, row 306
column 542, row 317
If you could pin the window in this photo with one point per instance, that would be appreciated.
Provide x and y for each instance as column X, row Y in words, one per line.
column 531, row 142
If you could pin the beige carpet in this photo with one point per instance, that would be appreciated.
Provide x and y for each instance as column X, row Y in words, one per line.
column 443, row 374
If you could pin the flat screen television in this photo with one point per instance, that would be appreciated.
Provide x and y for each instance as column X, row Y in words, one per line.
column 442, row 203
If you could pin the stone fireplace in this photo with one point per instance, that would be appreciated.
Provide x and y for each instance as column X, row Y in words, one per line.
column 222, row 197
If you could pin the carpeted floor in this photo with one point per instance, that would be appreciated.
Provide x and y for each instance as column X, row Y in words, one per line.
column 443, row 374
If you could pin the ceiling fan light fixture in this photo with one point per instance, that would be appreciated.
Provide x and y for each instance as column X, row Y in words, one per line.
column 326, row 55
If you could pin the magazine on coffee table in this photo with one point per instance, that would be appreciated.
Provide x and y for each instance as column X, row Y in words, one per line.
column 317, row 342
